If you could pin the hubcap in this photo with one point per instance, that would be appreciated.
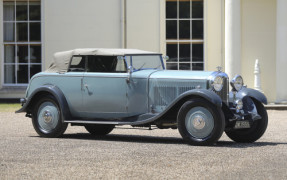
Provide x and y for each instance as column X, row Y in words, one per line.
column 199, row 122
column 48, row 116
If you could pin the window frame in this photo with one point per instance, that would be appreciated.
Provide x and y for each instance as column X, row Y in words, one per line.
column 16, row 43
column 190, row 41
column 85, row 57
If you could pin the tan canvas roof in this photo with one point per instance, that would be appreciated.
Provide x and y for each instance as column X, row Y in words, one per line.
column 62, row 59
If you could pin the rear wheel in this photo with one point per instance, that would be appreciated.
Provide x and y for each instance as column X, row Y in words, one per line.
column 200, row 122
column 256, row 130
column 99, row 129
column 47, row 119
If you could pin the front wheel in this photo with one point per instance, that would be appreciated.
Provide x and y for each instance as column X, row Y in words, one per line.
column 200, row 122
column 256, row 130
column 46, row 118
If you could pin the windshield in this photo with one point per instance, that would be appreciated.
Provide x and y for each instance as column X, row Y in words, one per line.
column 140, row 62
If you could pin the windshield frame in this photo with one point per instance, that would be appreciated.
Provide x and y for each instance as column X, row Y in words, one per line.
column 131, row 60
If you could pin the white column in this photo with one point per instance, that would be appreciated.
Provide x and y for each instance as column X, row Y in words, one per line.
column 281, row 52
column 232, row 37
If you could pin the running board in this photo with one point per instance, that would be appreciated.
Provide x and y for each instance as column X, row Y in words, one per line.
column 97, row 122
column 142, row 119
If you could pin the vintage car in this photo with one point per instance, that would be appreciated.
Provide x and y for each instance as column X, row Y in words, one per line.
column 103, row 88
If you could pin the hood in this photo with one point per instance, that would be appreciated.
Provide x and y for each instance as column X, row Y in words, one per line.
column 174, row 74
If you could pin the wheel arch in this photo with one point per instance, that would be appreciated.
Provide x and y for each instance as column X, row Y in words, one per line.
column 47, row 90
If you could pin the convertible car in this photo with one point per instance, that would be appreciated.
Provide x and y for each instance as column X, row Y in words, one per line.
column 104, row 88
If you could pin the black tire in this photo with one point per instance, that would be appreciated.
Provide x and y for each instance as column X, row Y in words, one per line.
column 99, row 129
column 201, row 134
column 47, row 118
column 256, row 130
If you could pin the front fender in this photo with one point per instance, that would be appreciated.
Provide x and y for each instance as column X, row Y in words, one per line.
column 206, row 94
column 44, row 90
column 173, row 108
column 251, row 93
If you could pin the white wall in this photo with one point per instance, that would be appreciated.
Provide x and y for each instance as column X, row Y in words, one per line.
column 70, row 24
column 214, row 39
column 258, row 18
column 143, row 25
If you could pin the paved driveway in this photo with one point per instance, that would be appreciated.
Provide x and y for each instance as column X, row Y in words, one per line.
column 137, row 154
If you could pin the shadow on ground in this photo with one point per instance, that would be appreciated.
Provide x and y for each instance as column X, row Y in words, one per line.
column 161, row 140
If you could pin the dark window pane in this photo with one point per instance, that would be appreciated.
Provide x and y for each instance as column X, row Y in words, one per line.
column 184, row 29
column 34, row 69
column 9, row 54
column 8, row 11
column 77, row 64
column 22, row 53
column 171, row 66
column 197, row 29
column 171, row 51
column 35, row 11
column 22, row 74
column 35, row 31
column 9, row 74
column 197, row 53
column 21, row 11
column 171, row 9
column 9, row 32
column 171, row 29
column 35, row 54
column 22, row 32
column 197, row 66
column 184, row 9
column 184, row 66
column 184, row 52
column 197, row 9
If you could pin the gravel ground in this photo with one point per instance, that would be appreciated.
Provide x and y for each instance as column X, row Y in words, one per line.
column 137, row 154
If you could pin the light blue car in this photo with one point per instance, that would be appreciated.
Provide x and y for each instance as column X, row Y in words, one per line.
column 103, row 88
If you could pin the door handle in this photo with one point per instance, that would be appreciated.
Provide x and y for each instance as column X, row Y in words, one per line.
column 89, row 92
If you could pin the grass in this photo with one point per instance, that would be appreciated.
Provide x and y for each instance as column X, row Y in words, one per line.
column 9, row 107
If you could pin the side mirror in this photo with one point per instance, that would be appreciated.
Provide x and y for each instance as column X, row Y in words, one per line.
column 165, row 58
column 130, row 71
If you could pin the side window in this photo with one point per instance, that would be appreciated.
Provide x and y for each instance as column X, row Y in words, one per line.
column 108, row 64
column 121, row 66
column 77, row 64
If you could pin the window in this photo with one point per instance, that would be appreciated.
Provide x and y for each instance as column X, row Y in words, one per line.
column 146, row 62
column 22, row 40
column 108, row 64
column 77, row 64
column 184, row 34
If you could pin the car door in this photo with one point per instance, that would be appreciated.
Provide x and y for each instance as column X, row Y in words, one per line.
column 70, row 84
column 105, row 88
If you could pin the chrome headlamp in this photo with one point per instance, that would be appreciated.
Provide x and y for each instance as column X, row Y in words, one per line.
column 237, row 82
column 217, row 83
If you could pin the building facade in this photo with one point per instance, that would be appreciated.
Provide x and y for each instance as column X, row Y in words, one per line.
column 195, row 34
